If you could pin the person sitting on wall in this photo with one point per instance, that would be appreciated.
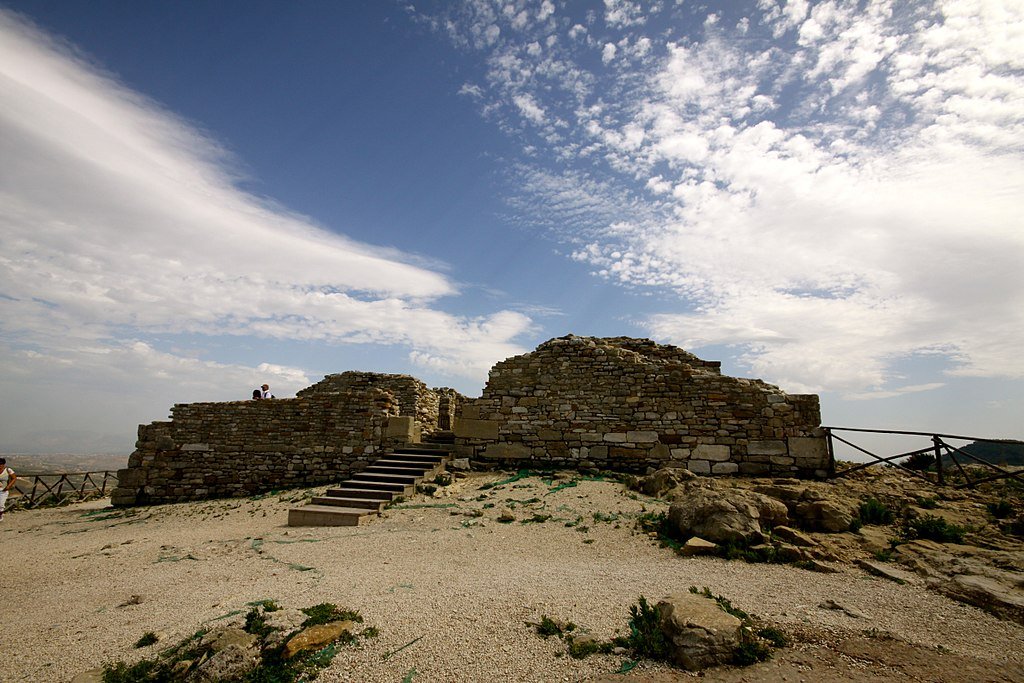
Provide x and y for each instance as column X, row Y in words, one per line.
column 266, row 392
column 257, row 394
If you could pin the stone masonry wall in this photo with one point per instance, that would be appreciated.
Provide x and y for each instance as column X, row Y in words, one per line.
column 239, row 448
column 414, row 398
column 630, row 404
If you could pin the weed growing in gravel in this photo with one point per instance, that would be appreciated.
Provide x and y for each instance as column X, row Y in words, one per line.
column 928, row 503
column 724, row 603
column 148, row 638
column 327, row 612
column 537, row 519
column 549, row 627
column 646, row 638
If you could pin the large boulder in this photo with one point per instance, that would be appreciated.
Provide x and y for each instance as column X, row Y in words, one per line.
column 699, row 633
column 725, row 515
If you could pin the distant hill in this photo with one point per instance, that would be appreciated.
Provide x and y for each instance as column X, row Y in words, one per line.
column 995, row 453
column 58, row 463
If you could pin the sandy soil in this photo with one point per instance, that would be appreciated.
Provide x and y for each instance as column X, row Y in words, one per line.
column 450, row 592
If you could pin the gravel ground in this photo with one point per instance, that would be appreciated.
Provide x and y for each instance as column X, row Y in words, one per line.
column 449, row 592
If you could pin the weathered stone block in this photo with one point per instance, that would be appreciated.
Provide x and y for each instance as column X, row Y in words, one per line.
column 711, row 452
column 725, row 468
column 476, row 429
column 615, row 437
column 506, row 451
column 699, row 466
column 641, row 437
column 772, row 447
column 403, row 428
column 809, row 450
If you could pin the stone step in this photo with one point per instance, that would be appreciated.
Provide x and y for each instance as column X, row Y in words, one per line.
column 397, row 468
column 326, row 515
column 382, row 496
column 368, row 475
column 366, row 493
column 439, row 450
column 410, row 460
column 346, row 502
column 400, row 489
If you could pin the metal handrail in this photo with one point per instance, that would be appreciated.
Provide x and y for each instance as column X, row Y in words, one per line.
column 937, row 446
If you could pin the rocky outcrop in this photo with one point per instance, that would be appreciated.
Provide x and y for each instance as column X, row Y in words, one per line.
column 990, row 579
column 732, row 516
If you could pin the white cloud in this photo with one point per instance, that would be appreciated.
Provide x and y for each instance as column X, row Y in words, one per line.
column 119, row 222
column 529, row 108
column 830, row 187
column 608, row 52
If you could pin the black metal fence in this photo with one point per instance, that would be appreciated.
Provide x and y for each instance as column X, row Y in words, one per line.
column 944, row 455
column 34, row 490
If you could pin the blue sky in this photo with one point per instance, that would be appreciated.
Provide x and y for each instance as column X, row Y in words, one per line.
column 199, row 197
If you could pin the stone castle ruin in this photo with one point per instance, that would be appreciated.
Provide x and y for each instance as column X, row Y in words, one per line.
column 575, row 402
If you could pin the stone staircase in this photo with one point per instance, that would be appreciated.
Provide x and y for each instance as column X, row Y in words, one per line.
column 395, row 473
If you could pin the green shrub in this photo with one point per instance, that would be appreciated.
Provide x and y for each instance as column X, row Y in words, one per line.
column 751, row 652
column 928, row 503
column 549, row 627
column 884, row 555
column 873, row 511
column 256, row 623
column 1001, row 509
column 325, row 612
column 148, row 638
column 578, row 649
column 773, row 635
column 646, row 638
column 919, row 461
column 933, row 528
column 856, row 524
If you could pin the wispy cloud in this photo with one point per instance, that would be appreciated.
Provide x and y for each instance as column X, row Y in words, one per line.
column 119, row 222
column 830, row 186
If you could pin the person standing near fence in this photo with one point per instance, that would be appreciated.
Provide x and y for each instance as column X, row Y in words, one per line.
column 7, row 479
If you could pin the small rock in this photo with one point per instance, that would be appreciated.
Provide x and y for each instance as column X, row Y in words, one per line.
column 133, row 600
column 697, row 546
column 222, row 638
column 231, row 663
column 833, row 605
column 793, row 536
column 886, row 571
column 316, row 637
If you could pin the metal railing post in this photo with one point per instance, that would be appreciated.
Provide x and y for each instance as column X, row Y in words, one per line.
column 938, row 459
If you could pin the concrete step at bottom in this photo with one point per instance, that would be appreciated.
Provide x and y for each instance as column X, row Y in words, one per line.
column 344, row 502
column 326, row 515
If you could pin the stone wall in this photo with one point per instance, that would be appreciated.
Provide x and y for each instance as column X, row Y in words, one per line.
column 239, row 448
column 630, row 404
column 448, row 404
column 414, row 398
